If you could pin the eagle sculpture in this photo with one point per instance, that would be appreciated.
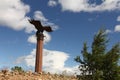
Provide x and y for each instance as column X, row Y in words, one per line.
column 39, row 26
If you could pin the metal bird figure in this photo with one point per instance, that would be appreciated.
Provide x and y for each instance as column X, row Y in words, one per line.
column 39, row 26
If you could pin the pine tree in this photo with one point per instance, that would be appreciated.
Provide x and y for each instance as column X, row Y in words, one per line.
column 99, row 64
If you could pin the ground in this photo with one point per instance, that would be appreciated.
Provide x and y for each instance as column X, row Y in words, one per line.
column 28, row 75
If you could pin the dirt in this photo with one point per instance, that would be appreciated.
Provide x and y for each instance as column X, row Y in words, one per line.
column 33, row 76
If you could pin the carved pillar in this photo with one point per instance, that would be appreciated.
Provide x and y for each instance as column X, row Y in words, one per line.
column 39, row 50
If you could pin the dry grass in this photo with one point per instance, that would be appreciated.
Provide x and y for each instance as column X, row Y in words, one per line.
column 7, row 75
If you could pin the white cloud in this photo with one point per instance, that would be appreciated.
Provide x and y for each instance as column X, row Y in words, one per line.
column 38, row 15
column 84, row 5
column 73, row 5
column 47, row 37
column 108, row 31
column 53, row 61
column 117, row 28
column 118, row 18
column 13, row 15
column 52, row 3
column 19, row 60
column 32, row 38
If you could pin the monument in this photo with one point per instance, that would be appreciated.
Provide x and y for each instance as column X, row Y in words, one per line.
column 39, row 46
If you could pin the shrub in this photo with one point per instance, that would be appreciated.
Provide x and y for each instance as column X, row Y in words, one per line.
column 17, row 68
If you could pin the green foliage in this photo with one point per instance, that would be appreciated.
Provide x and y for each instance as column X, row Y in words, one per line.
column 17, row 68
column 99, row 64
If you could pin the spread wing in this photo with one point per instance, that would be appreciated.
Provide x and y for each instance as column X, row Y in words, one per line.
column 37, row 24
column 47, row 28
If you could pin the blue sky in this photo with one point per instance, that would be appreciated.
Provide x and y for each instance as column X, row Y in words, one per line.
column 73, row 21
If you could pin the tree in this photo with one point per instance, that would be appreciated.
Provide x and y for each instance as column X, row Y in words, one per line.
column 17, row 68
column 99, row 63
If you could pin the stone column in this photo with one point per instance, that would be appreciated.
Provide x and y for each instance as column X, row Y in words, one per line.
column 39, row 50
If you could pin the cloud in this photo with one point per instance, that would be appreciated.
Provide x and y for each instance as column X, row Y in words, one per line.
column 53, row 61
column 13, row 15
column 117, row 28
column 19, row 60
column 52, row 3
column 38, row 15
column 118, row 18
column 86, row 6
column 108, row 31
column 32, row 38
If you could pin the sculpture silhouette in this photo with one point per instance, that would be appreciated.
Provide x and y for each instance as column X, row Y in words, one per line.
column 39, row 26
column 40, row 38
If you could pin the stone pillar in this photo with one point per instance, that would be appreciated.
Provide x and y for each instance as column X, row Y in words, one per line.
column 39, row 50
